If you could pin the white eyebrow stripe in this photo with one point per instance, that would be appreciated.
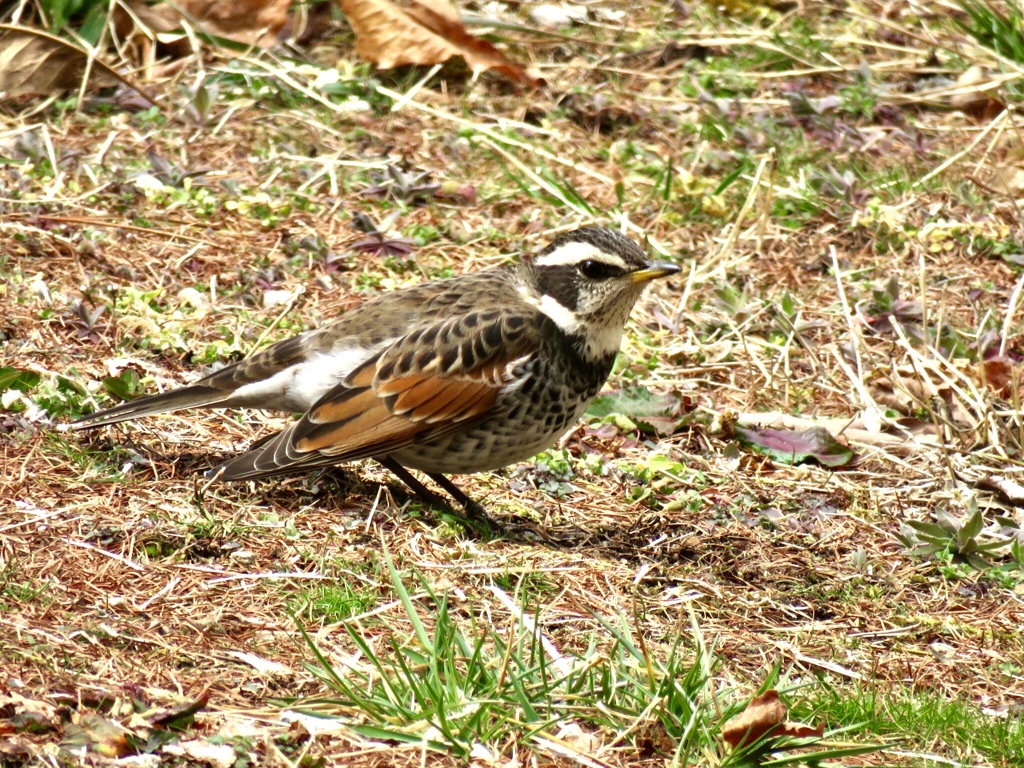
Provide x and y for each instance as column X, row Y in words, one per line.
column 573, row 253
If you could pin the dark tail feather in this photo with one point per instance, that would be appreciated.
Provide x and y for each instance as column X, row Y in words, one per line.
column 195, row 396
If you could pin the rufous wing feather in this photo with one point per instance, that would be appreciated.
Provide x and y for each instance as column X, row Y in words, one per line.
column 401, row 396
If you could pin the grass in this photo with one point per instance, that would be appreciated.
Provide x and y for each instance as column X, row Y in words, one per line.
column 462, row 687
column 996, row 26
column 926, row 723
column 644, row 587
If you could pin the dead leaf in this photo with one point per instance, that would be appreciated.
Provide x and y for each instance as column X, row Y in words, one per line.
column 179, row 717
column 758, row 465
column 304, row 28
column 551, row 16
column 795, row 447
column 1011, row 492
column 98, row 734
column 662, row 414
column 1008, row 180
column 762, row 715
column 973, row 99
column 908, row 388
column 997, row 375
column 33, row 62
column 429, row 32
column 765, row 716
column 17, row 750
column 251, row 22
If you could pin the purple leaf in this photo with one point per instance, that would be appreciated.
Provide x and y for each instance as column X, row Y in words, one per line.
column 795, row 447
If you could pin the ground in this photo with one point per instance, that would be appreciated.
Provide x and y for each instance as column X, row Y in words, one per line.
column 850, row 246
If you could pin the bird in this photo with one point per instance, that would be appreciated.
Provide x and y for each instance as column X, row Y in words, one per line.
column 452, row 376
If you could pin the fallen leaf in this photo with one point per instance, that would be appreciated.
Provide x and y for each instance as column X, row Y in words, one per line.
column 428, row 32
column 17, row 750
column 796, row 446
column 179, row 717
column 1011, row 492
column 97, row 734
column 33, row 62
column 22, row 715
column 997, row 374
column 314, row 726
column 761, row 716
column 574, row 736
column 973, row 99
column 764, row 716
column 303, row 28
column 251, row 22
column 755, row 464
column 907, row 389
column 661, row 414
column 1008, row 179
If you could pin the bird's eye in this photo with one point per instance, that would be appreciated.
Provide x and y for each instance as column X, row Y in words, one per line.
column 595, row 270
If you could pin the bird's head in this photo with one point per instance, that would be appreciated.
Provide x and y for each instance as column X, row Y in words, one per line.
column 587, row 282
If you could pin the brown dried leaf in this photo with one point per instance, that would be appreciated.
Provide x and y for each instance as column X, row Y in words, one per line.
column 908, row 388
column 973, row 100
column 33, row 62
column 798, row 731
column 18, row 750
column 764, row 716
column 252, row 22
column 997, row 375
column 1009, row 180
column 760, row 717
column 429, row 32
column 304, row 28
column 748, row 462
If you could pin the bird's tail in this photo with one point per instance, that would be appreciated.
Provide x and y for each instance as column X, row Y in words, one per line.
column 196, row 396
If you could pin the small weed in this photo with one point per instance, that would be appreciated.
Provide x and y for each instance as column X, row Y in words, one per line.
column 961, row 542
column 88, row 16
column 19, row 590
column 343, row 598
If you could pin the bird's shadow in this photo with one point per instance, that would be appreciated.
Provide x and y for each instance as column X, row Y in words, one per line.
column 339, row 482
column 343, row 482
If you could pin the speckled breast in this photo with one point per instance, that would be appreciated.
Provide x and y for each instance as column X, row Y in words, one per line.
column 556, row 391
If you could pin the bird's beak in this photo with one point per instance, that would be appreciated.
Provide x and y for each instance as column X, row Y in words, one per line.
column 653, row 271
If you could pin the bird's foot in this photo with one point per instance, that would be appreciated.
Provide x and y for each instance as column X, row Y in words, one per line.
column 475, row 518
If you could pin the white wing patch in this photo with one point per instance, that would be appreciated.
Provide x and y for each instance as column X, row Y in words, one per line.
column 297, row 388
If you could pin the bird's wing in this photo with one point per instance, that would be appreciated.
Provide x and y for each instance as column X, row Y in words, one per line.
column 435, row 380
column 217, row 389
column 268, row 379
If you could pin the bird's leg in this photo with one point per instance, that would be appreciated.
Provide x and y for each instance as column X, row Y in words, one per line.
column 413, row 484
column 403, row 474
column 473, row 508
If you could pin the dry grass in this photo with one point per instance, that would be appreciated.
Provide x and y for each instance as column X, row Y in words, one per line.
column 122, row 576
